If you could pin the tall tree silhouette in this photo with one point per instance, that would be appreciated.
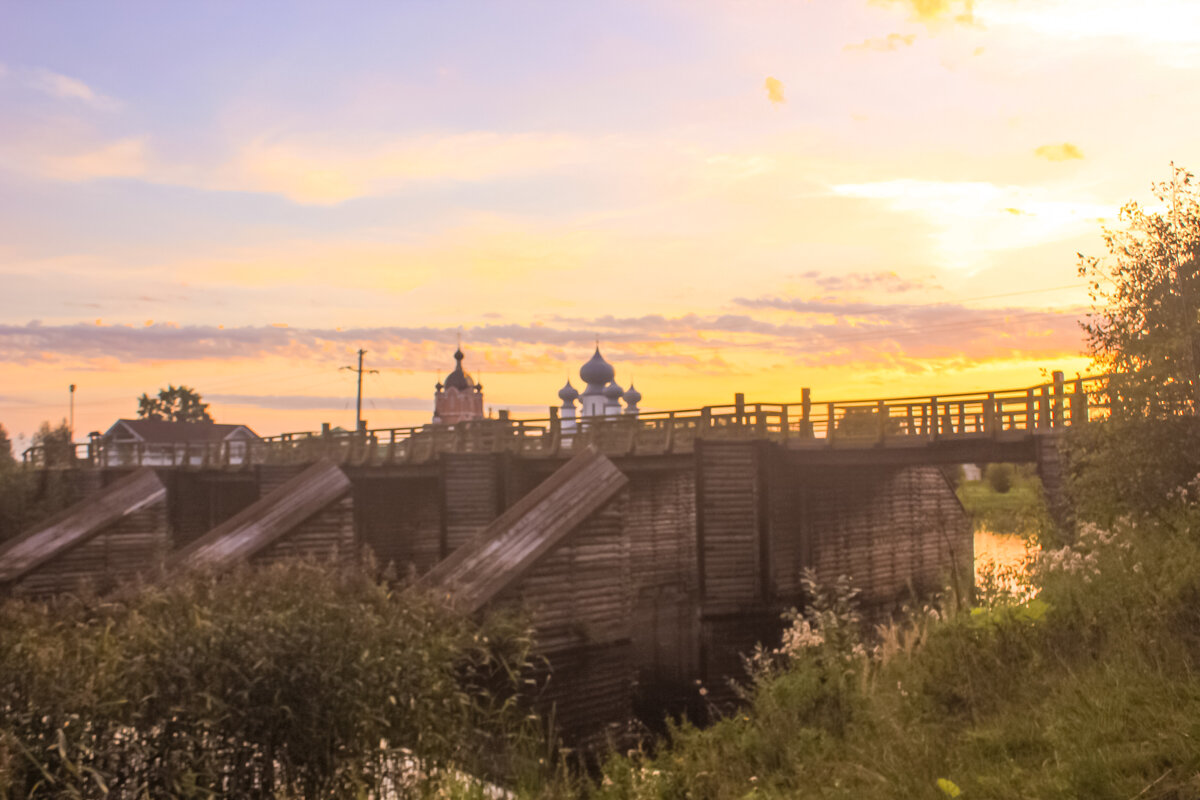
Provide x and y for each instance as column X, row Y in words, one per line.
column 176, row 404
column 1144, row 327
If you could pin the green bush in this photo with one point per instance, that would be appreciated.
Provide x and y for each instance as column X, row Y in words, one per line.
column 1131, row 465
column 999, row 477
column 291, row 680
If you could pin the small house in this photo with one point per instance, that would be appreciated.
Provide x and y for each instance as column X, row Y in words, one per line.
column 165, row 443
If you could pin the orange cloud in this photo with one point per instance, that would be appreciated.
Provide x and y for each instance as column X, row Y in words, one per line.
column 774, row 88
column 893, row 41
column 1058, row 152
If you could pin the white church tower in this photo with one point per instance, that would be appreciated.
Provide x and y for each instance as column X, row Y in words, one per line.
column 601, row 397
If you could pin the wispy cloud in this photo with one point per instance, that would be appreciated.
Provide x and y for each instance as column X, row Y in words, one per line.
column 298, row 402
column 68, row 88
column 57, row 85
column 893, row 41
column 124, row 158
column 1058, row 152
column 883, row 280
column 1165, row 22
column 972, row 219
column 304, row 171
column 816, row 329
column 324, row 173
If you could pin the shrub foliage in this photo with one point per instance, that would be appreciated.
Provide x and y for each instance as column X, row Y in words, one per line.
column 290, row 681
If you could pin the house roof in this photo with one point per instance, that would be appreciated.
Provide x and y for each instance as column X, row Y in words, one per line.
column 79, row 522
column 162, row 430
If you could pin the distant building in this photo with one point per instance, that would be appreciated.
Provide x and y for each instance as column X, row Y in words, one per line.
column 602, row 395
column 458, row 398
column 161, row 443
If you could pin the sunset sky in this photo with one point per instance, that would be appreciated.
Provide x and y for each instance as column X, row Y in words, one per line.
column 868, row 198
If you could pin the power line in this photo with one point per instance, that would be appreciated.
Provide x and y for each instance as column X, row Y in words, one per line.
column 1046, row 290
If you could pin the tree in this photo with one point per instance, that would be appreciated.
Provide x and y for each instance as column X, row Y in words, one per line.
column 55, row 443
column 999, row 477
column 1144, row 327
column 7, row 459
column 1144, row 332
column 176, row 404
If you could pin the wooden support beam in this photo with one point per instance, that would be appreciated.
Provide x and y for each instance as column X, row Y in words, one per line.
column 255, row 527
column 499, row 555
column 1058, row 400
column 1079, row 404
column 69, row 528
column 806, row 426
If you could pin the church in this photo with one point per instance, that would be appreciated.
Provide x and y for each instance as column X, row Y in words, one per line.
column 459, row 398
column 602, row 395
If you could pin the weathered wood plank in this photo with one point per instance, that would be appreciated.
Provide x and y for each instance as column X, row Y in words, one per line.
column 501, row 553
column 82, row 520
column 258, row 526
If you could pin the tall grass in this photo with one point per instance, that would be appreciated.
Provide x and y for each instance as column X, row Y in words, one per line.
column 285, row 681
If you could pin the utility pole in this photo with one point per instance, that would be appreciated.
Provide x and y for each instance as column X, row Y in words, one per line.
column 358, row 408
column 72, row 426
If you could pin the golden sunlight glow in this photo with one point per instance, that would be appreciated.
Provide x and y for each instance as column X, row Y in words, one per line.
column 901, row 217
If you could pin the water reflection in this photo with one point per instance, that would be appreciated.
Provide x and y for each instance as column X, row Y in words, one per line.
column 1000, row 561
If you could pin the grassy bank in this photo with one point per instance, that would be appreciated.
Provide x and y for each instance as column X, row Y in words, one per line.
column 1091, row 690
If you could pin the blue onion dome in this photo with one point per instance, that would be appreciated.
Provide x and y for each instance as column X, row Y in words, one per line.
column 458, row 379
column 633, row 396
column 613, row 391
column 597, row 370
column 568, row 394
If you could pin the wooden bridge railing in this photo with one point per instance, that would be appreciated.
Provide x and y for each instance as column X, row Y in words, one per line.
column 898, row 421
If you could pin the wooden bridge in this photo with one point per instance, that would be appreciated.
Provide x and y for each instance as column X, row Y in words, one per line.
column 651, row 550
column 975, row 426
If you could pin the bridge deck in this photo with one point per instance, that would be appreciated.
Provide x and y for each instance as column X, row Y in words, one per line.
column 978, row 425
